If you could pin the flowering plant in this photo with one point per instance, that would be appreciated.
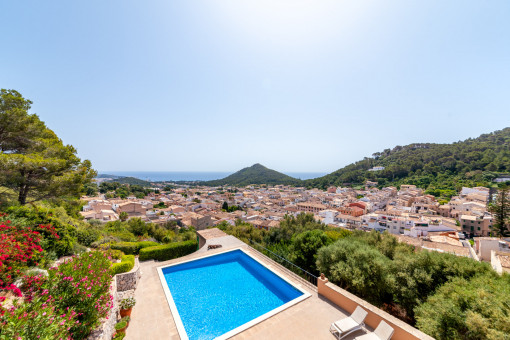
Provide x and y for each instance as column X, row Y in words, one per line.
column 67, row 304
column 127, row 303
column 83, row 283
column 37, row 319
column 19, row 249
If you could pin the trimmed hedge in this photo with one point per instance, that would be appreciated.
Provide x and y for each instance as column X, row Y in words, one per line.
column 168, row 251
column 132, row 248
column 127, row 263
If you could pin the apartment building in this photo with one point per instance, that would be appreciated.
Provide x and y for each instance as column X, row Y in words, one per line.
column 311, row 207
column 476, row 225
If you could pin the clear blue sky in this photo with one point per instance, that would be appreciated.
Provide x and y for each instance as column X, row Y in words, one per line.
column 220, row 85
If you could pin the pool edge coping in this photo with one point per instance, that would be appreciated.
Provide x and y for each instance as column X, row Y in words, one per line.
column 177, row 318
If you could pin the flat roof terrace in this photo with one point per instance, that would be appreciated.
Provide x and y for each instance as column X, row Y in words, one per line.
column 311, row 318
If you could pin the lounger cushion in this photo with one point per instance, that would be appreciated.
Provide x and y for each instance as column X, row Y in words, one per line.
column 369, row 336
column 346, row 324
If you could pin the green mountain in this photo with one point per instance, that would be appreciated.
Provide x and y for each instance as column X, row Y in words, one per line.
column 255, row 174
column 131, row 181
column 440, row 168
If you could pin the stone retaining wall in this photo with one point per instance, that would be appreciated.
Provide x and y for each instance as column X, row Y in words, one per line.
column 129, row 280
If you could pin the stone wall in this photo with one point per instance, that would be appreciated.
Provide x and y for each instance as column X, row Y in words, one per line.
column 129, row 280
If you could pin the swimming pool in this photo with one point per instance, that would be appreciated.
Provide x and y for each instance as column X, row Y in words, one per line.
column 217, row 296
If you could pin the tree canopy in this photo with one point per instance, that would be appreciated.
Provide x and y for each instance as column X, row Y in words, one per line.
column 34, row 162
column 468, row 309
column 500, row 209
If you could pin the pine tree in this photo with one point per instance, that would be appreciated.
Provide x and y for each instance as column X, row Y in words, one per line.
column 501, row 212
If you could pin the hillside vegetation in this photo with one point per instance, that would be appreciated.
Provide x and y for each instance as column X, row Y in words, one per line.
column 255, row 174
column 439, row 168
column 131, row 181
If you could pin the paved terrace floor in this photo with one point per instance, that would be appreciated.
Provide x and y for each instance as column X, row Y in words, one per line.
column 310, row 319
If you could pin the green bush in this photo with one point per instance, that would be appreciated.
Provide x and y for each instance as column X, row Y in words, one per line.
column 468, row 309
column 133, row 248
column 412, row 278
column 145, row 244
column 168, row 251
column 357, row 267
column 129, row 248
column 127, row 263
column 115, row 254
column 87, row 236
column 305, row 245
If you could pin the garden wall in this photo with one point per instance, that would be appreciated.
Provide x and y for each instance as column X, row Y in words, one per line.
column 349, row 302
column 129, row 280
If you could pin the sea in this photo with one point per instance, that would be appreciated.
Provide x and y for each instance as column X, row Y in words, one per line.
column 160, row 176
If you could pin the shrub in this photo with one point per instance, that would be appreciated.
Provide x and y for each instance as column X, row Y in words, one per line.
column 145, row 244
column 133, row 248
column 305, row 246
column 36, row 319
column 127, row 263
column 67, row 304
column 87, row 236
column 137, row 226
column 129, row 248
column 82, row 283
column 168, row 251
column 355, row 266
column 468, row 309
column 79, row 248
column 61, row 226
column 337, row 234
column 103, row 242
column 19, row 249
column 414, row 277
column 115, row 254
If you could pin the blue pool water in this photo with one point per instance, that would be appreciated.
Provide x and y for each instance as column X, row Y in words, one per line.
column 216, row 294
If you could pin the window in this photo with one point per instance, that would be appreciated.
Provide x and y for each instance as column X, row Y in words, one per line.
column 478, row 228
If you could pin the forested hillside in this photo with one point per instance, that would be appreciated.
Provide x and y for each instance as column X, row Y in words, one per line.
column 440, row 168
column 255, row 174
column 131, row 181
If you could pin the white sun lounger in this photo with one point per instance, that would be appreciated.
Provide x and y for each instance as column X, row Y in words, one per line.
column 382, row 332
column 344, row 327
